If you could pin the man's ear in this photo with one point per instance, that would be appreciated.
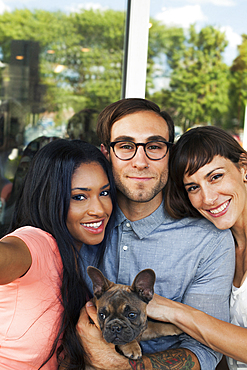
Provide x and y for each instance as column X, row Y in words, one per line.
column 105, row 151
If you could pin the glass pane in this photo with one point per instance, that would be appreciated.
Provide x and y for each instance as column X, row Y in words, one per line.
column 197, row 62
column 59, row 68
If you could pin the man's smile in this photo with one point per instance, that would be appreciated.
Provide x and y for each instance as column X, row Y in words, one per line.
column 138, row 178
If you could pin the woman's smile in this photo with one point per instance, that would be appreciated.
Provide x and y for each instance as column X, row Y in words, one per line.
column 90, row 205
column 218, row 191
column 219, row 210
column 94, row 227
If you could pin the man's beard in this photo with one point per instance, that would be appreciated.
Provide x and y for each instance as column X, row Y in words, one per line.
column 140, row 194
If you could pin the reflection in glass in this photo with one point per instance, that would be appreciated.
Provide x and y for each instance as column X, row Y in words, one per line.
column 57, row 72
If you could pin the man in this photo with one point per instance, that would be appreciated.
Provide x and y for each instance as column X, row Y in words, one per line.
column 193, row 261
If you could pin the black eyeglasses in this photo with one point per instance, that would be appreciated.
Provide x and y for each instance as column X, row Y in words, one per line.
column 154, row 150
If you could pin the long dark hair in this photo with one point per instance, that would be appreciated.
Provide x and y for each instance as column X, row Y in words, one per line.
column 43, row 203
column 193, row 150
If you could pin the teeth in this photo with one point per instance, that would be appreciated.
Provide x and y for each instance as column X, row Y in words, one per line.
column 95, row 224
column 220, row 209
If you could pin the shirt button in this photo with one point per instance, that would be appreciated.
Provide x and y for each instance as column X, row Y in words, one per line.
column 127, row 224
column 125, row 247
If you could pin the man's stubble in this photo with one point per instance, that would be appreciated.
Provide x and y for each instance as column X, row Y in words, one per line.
column 140, row 192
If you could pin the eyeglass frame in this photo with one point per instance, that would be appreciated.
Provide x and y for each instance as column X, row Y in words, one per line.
column 168, row 144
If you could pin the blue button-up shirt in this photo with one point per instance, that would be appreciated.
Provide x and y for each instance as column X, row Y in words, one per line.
column 194, row 263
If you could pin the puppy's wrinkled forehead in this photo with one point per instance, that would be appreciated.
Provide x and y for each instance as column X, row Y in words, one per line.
column 116, row 298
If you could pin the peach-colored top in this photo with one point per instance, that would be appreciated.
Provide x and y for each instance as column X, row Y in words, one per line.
column 30, row 307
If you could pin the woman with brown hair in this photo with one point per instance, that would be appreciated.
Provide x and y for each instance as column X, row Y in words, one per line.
column 208, row 178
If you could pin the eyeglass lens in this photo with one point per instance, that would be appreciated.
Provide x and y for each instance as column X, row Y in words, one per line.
column 154, row 150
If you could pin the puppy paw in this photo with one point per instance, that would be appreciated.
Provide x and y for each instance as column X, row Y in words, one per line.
column 131, row 350
column 172, row 330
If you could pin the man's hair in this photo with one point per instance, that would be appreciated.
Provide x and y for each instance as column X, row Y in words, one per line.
column 196, row 148
column 122, row 108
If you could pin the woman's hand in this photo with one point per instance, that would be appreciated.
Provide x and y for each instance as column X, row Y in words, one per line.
column 101, row 355
column 160, row 308
column 219, row 335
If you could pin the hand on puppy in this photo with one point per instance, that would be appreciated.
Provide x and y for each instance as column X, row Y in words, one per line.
column 102, row 355
column 161, row 308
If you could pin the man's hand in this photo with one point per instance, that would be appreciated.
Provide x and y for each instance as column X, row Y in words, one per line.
column 102, row 355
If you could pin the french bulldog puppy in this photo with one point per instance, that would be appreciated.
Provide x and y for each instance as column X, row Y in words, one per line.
column 121, row 312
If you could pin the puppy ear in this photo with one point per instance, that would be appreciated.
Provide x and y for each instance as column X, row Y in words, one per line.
column 143, row 285
column 100, row 283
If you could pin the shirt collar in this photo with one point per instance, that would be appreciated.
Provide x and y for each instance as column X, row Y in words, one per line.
column 145, row 226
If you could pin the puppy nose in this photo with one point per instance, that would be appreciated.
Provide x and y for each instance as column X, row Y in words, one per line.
column 116, row 328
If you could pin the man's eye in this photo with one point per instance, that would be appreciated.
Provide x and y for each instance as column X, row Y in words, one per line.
column 156, row 145
column 126, row 146
column 153, row 147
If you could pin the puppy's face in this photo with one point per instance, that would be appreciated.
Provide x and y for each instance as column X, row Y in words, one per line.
column 121, row 309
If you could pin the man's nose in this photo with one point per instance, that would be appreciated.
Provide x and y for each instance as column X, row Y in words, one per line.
column 140, row 159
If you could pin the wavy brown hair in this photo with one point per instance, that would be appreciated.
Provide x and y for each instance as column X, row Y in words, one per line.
column 122, row 108
column 193, row 150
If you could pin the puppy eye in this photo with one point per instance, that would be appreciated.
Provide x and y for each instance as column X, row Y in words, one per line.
column 102, row 316
column 132, row 315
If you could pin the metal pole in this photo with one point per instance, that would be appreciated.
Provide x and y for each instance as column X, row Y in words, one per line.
column 126, row 48
column 136, row 49
column 245, row 129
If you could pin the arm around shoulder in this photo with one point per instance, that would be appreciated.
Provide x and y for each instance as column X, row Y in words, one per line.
column 15, row 259
column 219, row 335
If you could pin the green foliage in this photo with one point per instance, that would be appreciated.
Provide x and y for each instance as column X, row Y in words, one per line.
column 88, row 44
column 238, row 85
column 89, row 47
column 199, row 79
